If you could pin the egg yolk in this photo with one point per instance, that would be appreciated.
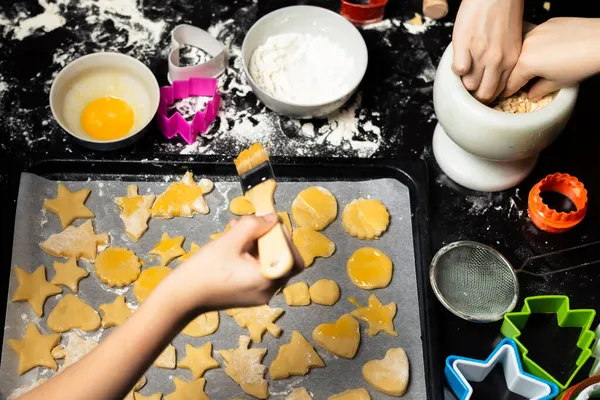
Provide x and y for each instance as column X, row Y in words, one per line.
column 107, row 118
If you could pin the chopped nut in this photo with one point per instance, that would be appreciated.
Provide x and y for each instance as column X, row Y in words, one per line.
column 519, row 103
column 547, row 5
column 417, row 20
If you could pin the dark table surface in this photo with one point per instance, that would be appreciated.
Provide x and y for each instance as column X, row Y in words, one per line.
column 396, row 96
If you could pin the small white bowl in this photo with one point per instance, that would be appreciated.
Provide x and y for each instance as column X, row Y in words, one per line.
column 316, row 21
column 486, row 149
column 99, row 75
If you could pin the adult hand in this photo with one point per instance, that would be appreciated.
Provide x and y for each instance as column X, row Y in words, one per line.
column 561, row 51
column 226, row 272
column 487, row 41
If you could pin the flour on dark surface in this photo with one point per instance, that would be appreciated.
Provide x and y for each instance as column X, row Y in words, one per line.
column 54, row 33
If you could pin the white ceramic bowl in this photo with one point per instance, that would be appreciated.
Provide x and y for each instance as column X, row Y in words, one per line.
column 98, row 75
column 317, row 21
column 492, row 134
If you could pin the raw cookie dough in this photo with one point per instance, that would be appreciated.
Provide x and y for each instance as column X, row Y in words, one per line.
column 193, row 390
column 295, row 358
column 365, row 219
column 73, row 313
column 69, row 206
column 241, row 206
column 203, row 325
column 135, row 212
column 117, row 266
column 79, row 242
column 155, row 396
column 314, row 208
column 34, row 288
column 183, row 199
column 369, row 268
column 148, row 280
column 115, row 313
column 340, row 338
column 325, row 292
column 167, row 359
column 140, row 384
column 217, row 235
column 193, row 248
column 379, row 317
column 243, row 365
column 68, row 274
column 299, row 394
column 168, row 248
column 389, row 375
column 353, row 394
column 74, row 349
column 285, row 220
column 312, row 244
column 34, row 350
column 258, row 320
column 198, row 359
column 297, row 294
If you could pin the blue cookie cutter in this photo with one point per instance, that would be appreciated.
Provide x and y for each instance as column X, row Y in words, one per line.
column 461, row 370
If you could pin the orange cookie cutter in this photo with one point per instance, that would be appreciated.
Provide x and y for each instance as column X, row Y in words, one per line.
column 550, row 220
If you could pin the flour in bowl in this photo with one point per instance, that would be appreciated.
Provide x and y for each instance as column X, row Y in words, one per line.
column 302, row 68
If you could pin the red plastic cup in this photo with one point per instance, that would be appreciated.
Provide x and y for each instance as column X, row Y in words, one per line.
column 363, row 14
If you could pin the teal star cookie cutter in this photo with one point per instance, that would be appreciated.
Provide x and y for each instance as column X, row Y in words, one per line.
column 515, row 322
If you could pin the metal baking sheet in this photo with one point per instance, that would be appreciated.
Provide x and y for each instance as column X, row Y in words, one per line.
column 33, row 225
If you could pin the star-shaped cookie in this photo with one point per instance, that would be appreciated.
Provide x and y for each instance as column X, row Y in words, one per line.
column 115, row 313
column 69, row 206
column 79, row 242
column 193, row 248
column 258, row 320
column 188, row 390
column 68, row 274
column 198, row 360
column 379, row 317
column 35, row 349
column 167, row 359
column 34, row 288
column 168, row 248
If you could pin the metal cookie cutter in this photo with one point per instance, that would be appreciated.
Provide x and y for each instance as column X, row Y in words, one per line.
column 193, row 36
column 461, row 370
column 177, row 124
column 515, row 322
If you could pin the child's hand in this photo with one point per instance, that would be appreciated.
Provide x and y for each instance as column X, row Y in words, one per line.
column 226, row 273
column 562, row 51
column 487, row 41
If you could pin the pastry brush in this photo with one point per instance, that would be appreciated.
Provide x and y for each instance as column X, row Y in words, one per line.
column 258, row 184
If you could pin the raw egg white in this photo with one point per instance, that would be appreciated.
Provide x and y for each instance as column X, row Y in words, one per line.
column 107, row 118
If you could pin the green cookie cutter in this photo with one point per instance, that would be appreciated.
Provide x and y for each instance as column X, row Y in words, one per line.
column 514, row 322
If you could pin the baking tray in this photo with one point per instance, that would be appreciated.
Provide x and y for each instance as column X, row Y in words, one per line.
column 411, row 174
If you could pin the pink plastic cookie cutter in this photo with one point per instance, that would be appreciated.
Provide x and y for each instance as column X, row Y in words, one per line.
column 176, row 124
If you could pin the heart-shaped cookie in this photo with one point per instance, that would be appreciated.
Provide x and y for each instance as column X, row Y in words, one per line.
column 73, row 313
column 389, row 375
column 340, row 338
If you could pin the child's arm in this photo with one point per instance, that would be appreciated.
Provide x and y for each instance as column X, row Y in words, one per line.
column 223, row 274
column 562, row 52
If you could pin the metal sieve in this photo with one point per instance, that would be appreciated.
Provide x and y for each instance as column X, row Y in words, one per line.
column 474, row 281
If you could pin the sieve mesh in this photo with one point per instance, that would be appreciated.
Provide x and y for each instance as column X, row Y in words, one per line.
column 474, row 281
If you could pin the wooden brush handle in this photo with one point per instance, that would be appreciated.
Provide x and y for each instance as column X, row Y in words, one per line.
column 274, row 253
column 435, row 9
